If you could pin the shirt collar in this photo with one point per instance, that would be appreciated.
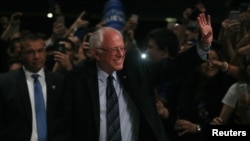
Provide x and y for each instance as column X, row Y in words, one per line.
column 102, row 75
column 29, row 73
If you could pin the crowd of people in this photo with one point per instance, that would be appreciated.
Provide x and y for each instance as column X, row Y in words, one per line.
column 94, row 85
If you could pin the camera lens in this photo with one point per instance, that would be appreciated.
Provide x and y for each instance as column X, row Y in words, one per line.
column 61, row 48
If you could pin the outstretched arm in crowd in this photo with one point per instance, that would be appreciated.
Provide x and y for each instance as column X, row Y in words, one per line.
column 206, row 31
column 79, row 22
column 13, row 27
column 231, row 69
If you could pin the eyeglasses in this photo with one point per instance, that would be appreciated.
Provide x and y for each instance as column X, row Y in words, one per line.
column 113, row 50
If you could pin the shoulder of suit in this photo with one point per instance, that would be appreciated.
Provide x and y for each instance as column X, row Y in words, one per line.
column 83, row 66
column 54, row 74
column 9, row 76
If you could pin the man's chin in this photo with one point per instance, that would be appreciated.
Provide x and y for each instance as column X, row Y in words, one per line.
column 119, row 68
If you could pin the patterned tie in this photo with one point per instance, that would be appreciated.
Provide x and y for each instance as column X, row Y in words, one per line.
column 41, row 120
column 113, row 119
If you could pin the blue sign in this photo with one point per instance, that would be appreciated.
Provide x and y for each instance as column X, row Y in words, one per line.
column 113, row 14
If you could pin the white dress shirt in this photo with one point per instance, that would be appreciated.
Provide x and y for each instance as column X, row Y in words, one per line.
column 129, row 118
column 30, row 83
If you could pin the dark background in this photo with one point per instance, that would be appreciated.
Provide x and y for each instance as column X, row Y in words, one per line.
column 152, row 13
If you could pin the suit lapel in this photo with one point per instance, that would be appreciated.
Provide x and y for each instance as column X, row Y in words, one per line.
column 131, row 80
column 92, row 82
column 23, row 90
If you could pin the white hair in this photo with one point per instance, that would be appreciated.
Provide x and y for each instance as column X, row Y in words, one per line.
column 96, row 38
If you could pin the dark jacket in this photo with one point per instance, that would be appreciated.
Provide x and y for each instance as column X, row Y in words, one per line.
column 15, row 105
column 81, row 99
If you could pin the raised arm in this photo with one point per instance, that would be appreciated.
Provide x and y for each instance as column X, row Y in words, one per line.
column 13, row 27
column 206, row 31
column 79, row 22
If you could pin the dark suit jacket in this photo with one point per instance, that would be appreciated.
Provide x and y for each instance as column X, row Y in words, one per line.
column 15, row 105
column 81, row 99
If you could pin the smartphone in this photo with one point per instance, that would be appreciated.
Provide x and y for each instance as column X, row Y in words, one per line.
column 61, row 48
column 234, row 15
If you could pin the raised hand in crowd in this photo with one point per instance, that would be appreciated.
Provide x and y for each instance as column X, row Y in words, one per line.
column 232, row 32
column 242, row 48
column 230, row 27
column 205, row 27
column 63, row 60
column 230, row 36
column 13, row 28
column 243, row 42
column 64, row 56
column 128, row 31
column 79, row 23
column 245, row 21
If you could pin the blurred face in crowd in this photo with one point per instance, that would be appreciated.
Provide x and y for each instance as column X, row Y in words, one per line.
column 14, row 48
column 207, row 68
column 17, row 47
column 153, row 51
column 33, row 54
column 110, row 56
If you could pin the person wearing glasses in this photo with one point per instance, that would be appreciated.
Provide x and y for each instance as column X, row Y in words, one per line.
column 111, row 97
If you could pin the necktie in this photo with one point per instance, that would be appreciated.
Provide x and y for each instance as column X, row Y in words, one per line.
column 113, row 118
column 40, row 110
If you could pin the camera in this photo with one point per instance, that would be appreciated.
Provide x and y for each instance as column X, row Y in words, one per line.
column 61, row 48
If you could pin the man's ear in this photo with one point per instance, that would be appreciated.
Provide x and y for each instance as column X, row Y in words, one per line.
column 96, row 53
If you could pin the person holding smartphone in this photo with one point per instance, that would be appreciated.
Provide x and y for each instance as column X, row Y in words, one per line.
column 63, row 55
column 83, row 52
